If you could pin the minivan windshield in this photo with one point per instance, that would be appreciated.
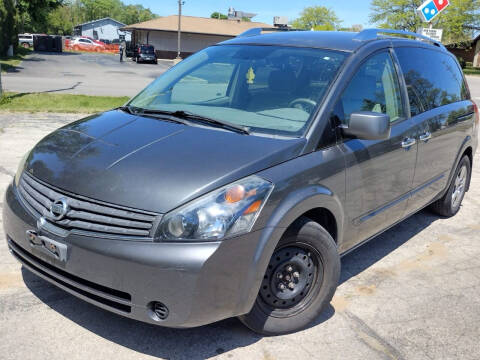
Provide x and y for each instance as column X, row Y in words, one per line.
column 268, row 89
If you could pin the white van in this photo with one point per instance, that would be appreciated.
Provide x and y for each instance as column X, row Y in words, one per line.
column 25, row 40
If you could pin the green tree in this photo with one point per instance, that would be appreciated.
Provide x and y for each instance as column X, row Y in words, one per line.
column 33, row 14
column 217, row 15
column 132, row 14
column 403, row 15
column 396, row 14
column 459, row 13
column 8, row 25
column 97, row 9
column 61, row 21
column 60, row 16
column 317, row 18
column 80, row 11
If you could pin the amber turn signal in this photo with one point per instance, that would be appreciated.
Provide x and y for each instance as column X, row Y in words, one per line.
column 253, row 207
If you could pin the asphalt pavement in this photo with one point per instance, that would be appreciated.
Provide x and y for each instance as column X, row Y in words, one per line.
column 411, row 293
column 82, row 73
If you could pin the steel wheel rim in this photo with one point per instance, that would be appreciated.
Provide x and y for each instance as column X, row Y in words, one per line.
column 459, row 187
column 310, row 280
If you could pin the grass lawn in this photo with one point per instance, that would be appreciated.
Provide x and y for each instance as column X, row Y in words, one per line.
column 9, row 63
column 62, row 103
column 469, row 70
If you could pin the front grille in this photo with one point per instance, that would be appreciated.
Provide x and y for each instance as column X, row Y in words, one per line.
column 97, row 293
column 84, row 216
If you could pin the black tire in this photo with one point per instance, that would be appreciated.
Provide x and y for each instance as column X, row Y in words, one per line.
column 450, row 203
column 322, row 274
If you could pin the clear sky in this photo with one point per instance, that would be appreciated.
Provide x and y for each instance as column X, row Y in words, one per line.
column 350, row 11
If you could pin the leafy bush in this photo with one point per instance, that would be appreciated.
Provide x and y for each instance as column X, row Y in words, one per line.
column 462, row 62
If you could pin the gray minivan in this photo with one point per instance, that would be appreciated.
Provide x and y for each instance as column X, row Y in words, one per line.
column 233, row 184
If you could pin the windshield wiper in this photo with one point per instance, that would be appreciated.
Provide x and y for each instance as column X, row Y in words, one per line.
column 176, row 116
column 127, row 109
column 206, row 120
column 153, row 113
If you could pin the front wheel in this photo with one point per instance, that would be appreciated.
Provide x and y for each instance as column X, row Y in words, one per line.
column 299, row 282
column 450, row 203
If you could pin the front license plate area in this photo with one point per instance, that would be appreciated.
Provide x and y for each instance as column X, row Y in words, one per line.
column 48, row 246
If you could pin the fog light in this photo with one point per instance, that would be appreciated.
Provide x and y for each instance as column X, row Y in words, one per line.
column 158, row 311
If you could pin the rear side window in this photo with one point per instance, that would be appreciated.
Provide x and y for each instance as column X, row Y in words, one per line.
column 373, row 88
column 433, row 78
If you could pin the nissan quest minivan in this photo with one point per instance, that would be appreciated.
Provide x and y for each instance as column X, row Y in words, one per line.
column 232, row 185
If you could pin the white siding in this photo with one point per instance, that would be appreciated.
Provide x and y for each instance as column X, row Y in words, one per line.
column 106, row 29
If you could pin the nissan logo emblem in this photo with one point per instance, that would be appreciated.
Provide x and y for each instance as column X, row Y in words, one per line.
column 59, row 209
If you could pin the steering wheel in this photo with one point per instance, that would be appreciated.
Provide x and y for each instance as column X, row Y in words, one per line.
column 304, row 104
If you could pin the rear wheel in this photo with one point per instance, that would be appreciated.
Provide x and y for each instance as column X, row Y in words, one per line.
column 299, row 282
column 450, row 203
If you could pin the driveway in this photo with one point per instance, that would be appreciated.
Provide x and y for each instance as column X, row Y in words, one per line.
column 82, row 73
column 411, row 293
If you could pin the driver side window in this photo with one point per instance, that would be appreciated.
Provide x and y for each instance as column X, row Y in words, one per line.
column 373, row 88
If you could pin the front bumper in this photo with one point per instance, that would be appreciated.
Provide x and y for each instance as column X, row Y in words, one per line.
column 200, row 283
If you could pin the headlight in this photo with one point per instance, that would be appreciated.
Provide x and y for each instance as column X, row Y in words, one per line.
column 20, row 168
column 230, row 210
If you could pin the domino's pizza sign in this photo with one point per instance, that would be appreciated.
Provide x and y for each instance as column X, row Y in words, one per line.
column 431, row 8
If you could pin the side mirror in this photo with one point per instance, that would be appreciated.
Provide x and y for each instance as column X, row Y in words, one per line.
column 367, row 125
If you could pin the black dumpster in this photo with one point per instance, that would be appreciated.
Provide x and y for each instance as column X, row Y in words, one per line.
column 47, row 43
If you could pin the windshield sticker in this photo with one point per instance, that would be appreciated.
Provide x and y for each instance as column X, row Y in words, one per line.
column 250, row 76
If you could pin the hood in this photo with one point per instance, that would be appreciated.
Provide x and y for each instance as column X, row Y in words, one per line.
column 150, row 164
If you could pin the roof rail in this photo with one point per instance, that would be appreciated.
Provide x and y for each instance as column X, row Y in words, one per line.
column 372, row 34
column 260, row 30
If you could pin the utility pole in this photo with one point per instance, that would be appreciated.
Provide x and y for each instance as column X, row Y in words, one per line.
column 180, row 3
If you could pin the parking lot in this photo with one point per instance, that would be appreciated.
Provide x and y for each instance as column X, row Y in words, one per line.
column 82, row 73
column 412, row 293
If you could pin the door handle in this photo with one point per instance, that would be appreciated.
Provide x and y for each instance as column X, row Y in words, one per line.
column 408, row 142
column 425, row 136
